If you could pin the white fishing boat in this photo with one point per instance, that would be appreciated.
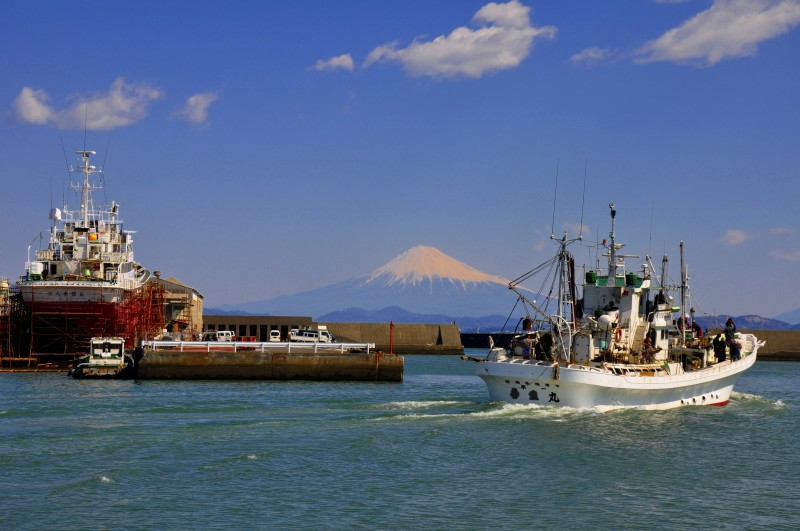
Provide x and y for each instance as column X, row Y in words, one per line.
column 106, row 359
column 612, row 342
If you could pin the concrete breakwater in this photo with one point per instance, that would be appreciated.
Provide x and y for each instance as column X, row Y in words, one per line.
column 274, row 364
column 405, row 338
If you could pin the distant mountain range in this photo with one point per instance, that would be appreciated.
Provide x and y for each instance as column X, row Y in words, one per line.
column 422, row 280
column 424, row 285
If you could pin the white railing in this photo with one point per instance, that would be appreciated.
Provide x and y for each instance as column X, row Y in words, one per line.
column 235, row 346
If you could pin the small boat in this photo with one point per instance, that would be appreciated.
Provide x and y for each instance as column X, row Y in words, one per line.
column 106, row 359
column 612, row 342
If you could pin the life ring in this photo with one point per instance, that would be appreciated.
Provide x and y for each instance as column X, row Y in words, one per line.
column 618, row 334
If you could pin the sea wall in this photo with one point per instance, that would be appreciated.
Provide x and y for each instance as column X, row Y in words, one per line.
column 269, row 365
column 781, row 345
column 406, row 338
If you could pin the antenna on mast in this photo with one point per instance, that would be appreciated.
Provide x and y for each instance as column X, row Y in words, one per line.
column 103, row 170
column 85, row 123
column 650, row 243
column 555, row 195
column 583, row 198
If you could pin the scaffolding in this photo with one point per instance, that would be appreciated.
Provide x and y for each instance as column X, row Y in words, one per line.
column 58, row 335
column 14, row 331
column 143, row 314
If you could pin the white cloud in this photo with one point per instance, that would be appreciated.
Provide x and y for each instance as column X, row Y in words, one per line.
column 123, row 104
column 592, row 56
column 735, row 237
column 787, row 257
column 196, row 109
column 781, row 230
column 728, row 29
column 340, row 62
column 32, row 107
column 503, row 40
column 574, row 229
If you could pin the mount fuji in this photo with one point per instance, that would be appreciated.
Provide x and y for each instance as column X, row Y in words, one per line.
column 421, row 285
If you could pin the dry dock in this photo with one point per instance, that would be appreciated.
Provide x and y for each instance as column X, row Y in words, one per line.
column 267, row 361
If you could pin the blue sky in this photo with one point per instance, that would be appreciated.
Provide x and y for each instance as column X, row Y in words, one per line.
column 266, row 148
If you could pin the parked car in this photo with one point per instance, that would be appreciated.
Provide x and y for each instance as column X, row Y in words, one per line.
column 218, row 335
column 275, row 336
column 310, row 336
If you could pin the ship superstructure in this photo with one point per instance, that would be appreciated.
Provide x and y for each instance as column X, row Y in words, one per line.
column 85, row 283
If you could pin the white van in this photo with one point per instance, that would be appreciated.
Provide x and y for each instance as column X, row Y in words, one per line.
column 275, row 336
column 310, row 336
column 218, row 335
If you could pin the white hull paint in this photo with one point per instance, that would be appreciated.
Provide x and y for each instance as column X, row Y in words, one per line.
column 530, row 382
column 55, row 291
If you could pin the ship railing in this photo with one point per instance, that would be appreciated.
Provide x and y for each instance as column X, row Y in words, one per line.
column 112, row 257
column 44, row 255
column 267, row 346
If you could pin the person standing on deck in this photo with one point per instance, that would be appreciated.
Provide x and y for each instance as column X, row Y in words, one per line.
column 719, row 347
column 730, row 339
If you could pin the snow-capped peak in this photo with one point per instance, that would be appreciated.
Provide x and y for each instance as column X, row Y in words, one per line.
column 422, row 263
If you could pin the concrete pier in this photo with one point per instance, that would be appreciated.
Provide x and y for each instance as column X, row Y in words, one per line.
column 275, row 363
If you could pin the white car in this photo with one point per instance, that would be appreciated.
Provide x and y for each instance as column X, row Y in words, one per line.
column 275, row 336
column 311, row 336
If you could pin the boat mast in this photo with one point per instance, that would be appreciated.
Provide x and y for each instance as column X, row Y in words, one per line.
column 86, row 169
column 565, row 298
column 612, row 255
column 683, row 300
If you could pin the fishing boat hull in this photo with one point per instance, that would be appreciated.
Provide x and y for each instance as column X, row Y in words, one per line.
column 94, row 371
column 602, row 388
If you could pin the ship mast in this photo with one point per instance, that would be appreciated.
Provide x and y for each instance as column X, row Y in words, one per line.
column 564, row 318
column 682, row 317
column 86, row 169
column 612, row 256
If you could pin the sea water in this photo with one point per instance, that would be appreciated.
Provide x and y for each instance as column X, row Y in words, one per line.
column 431, row 452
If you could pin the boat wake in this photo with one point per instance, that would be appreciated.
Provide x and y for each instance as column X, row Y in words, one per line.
column 419, row 404
column 454, row 409
column 755, row 402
